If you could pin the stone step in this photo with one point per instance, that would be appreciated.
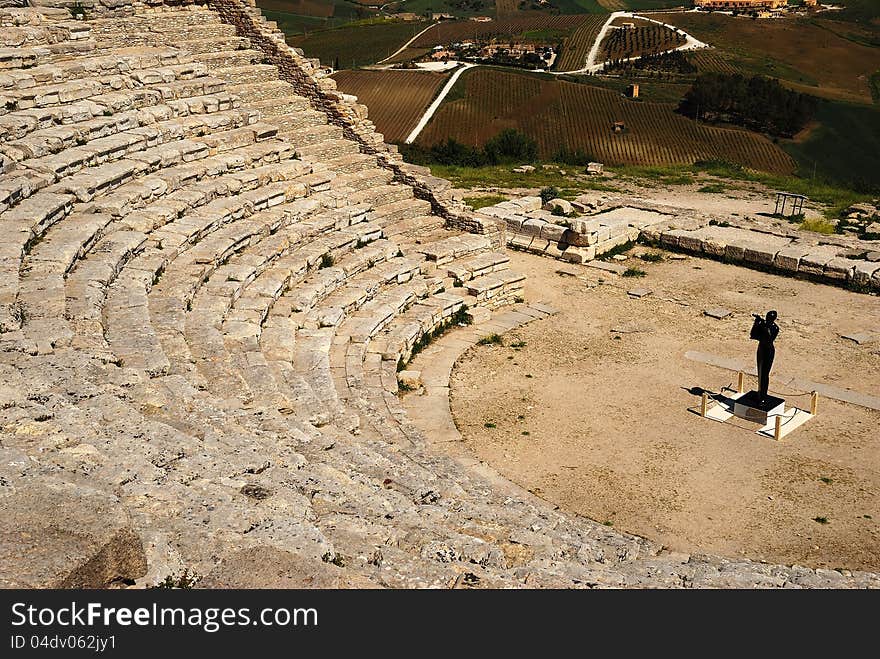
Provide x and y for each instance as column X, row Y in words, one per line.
column 64, row 151
column 497, row 288
column 258, row 92
column 247, row 74
column 365, row 179
column 455, row 247
column 121, row 61
column 229, row 58
column 382, row 195
column 469, row 268
column 327, row 150
column 43, row 34
column 313, row 134
column 92, row 117
column 404, row 209
column 352, row 162
column 284, row 106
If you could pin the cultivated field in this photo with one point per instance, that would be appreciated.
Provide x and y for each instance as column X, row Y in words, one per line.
column 576, row 47
column 357, row 45
column 711, row 61
column 506, row 7
column 579, row 116
column 810, row 54
column 396, row 99
column 512, row 26
column 648, row 39
column 320, row 8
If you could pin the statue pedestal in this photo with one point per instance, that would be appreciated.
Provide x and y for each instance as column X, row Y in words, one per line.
column 749, row 406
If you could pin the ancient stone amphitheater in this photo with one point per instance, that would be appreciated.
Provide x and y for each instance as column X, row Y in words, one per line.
column 211, row 267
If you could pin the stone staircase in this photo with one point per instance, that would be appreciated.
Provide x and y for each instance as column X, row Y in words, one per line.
column 210, row 273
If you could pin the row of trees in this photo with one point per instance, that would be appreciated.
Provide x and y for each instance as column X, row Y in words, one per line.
column 758, row 103
column 507, row 147
column 674, row 62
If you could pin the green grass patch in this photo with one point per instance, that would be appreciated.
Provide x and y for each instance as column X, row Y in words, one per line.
column 662, row 175
column 819, row 225
column 632, row 271
column 834, row 196
column 502, row 176
column 821, row 519
column 714, row 188
column 652, row 257
column 482, row 202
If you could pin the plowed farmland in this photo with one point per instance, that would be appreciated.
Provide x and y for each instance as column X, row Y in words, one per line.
column 576, row 47
column 711, row 60
column 623, row 43
column 396, row 99
column 565, row 114
column 509, row 26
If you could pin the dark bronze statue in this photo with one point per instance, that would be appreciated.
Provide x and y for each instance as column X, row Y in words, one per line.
column 765, row 331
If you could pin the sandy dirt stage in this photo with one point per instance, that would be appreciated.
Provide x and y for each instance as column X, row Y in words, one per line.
column 595, row 410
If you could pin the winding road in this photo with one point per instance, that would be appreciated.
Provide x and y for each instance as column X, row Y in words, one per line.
column 436, row 104
column 590, row 64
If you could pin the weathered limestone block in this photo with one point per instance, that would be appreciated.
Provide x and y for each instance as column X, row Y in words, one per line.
column 789, row 258
column 60, row 535
column 814, row 263
column 558, row 205
column 532, row 227
column 270, row 567
column 552, row 232
column 410, row 379
column 863, row 271
column 840, row 269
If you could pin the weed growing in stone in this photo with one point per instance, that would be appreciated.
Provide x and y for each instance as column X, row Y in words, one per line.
column 491, row 340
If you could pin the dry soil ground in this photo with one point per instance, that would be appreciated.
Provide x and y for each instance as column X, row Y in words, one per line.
column 598, row 421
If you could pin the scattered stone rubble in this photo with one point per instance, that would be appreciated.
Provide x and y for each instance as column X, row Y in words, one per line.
column 211, row 267
column 613, row 221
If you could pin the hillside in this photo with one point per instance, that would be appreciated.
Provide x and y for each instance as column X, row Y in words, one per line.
column 576, row 116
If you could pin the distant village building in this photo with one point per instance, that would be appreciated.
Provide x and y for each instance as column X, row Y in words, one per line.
column 632, row 91
column 595, row 168
column 407, row 16
column 628, row 26
column 442, row 17
column 482, row 19
column 740, row 5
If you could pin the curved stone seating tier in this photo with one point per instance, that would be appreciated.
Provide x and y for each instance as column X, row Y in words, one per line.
column 210, row 268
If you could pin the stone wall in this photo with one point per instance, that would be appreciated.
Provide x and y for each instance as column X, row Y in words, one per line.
column 341, row 110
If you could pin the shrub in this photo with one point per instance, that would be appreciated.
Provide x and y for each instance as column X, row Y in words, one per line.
column 184, row 582
column 491, row 339
column 326, row 261
column 634, row 272
column 508, row 146
column 548, row 193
